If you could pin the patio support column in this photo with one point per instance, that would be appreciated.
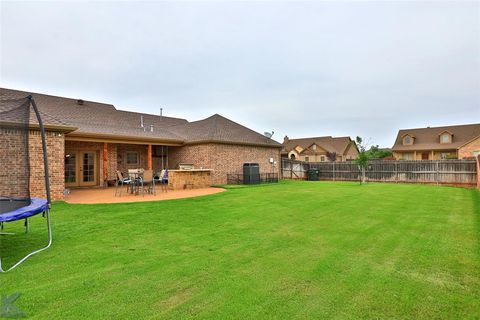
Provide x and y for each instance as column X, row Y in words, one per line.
column 105, row 163
column 149, row 157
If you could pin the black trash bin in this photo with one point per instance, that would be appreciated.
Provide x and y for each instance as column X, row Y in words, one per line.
column 313, row 175
column 251, row 173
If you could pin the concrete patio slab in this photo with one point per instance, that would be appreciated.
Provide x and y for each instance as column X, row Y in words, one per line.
column 107, row 195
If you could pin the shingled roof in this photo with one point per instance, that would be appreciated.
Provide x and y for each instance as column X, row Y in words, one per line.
column 221, row 130
column 93, row 119
column 429, row 138
column 331, row 144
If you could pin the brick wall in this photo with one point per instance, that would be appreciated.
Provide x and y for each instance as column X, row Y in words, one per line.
column 223, row 158
column 121, row 156
column 14, row 163
column 112, row 161
column 468, row 150
column 55, row 153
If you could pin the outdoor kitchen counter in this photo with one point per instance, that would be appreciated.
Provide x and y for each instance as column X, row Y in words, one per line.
column 189, row 179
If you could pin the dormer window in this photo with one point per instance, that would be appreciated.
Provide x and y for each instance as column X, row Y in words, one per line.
column 314, row 147
column 407, row 140
column 446, row 137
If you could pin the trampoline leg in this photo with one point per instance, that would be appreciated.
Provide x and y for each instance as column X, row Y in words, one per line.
column 49, row 226
column 27, row 225
column 4, row 233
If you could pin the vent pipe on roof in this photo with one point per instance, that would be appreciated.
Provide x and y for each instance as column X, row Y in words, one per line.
column 141, row 122
column 80, row 102
column 161, row 112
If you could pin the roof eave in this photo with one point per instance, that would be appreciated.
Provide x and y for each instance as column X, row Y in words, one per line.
column 279, row 146
column 36, row 126
column 123, row 138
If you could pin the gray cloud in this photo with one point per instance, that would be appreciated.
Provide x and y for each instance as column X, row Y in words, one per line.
column 302, row 69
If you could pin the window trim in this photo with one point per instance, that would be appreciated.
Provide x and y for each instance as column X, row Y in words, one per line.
column 126, row 158
column 446, row 134
column 405, row 138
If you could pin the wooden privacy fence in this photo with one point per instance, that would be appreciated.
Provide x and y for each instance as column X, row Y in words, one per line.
column 452, row 172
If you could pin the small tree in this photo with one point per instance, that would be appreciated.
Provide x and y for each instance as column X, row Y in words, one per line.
column 362, row 158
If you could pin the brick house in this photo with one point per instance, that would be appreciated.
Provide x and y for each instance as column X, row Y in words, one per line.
column 435, row 143
column 89, row 141
column 320, row 149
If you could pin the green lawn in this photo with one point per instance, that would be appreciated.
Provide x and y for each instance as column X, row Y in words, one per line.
column 293, row 250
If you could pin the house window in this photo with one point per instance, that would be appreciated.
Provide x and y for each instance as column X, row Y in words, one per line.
column 306, row 159
column 445, row 138
column 322, row 158
column 407, row 140
column 407, row 156
column 314, row 147
column 131, row 157
column 292, row 156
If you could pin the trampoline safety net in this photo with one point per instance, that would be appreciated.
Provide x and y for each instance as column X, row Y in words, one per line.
column 15, row 117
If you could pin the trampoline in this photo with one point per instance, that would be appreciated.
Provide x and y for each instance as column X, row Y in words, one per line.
column 20, row 122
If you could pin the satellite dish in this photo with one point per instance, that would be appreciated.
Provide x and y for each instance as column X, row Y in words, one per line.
column 268, row 134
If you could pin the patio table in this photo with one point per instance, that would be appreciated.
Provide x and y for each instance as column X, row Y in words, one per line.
column 135, row 177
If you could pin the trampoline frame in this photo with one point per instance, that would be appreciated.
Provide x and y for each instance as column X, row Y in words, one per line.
column 45, row 213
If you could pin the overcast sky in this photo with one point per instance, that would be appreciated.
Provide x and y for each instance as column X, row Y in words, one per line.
column 301, row 69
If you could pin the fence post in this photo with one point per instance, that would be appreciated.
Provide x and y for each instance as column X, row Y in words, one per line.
column 333, row 170
column 396, row 172
column 437, row 173
column 478, row 171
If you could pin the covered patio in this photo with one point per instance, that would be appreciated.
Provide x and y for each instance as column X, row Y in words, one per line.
column 107, row 195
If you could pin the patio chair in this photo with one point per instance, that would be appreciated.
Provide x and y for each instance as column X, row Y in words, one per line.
column 121, row 181
column 148, row 181
column 163, row 180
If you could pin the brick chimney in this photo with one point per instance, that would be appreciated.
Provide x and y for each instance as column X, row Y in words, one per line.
column 285, row 140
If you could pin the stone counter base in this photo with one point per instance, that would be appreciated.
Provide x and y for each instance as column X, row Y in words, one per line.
column 180, row 180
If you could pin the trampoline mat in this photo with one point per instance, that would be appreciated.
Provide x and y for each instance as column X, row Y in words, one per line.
column 16, row 209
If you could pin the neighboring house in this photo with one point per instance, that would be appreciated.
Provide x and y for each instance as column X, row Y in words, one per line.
column 434, row 143
column 320, row 149
column 89, row 141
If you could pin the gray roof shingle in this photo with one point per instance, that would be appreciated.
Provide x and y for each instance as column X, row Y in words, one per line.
column 331, row 144
column 99, row 119
column 220, row 129
column 429, row 138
